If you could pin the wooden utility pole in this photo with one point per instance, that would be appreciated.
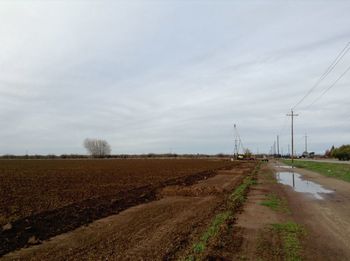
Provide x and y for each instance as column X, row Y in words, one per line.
column 305, row 142
column 278, row 145
column 292, row 115
column 235, row 153
column 288, row 150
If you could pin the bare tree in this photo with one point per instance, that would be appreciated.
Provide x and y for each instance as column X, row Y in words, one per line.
column 97, row 147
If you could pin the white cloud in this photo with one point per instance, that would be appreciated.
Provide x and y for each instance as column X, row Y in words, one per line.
column 150, row 76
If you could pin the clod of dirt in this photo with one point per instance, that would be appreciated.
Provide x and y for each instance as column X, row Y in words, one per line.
column 33, row 240
column 192, row 191
column 8, row 226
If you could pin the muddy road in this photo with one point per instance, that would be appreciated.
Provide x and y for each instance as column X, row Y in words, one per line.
column 321, row 204
column 158, row 230
column 318, row 204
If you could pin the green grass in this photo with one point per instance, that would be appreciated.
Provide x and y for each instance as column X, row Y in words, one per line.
column 211, row 231
column 238, row 195
column 235, row 200
column 290, row 233
column 335, row 170
column 275, row 203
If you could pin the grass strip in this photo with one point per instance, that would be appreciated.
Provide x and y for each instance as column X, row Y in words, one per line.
column 275, row 203
column 290, row 234
column 235, row 200
column 335, row 170
column 211, row 231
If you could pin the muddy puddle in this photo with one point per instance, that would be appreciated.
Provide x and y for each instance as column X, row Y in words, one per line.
column 284, row 166
column 298, row 184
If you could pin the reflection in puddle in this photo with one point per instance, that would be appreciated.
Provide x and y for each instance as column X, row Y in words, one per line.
column 284, row 166
column 300, row 185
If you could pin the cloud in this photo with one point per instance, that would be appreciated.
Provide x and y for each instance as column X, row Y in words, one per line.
column 150, row 77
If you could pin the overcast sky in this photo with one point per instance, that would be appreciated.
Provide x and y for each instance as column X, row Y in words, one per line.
column 161, row 76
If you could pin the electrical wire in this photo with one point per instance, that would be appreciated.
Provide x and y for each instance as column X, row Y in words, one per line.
column 329, row 69
column 330, row 87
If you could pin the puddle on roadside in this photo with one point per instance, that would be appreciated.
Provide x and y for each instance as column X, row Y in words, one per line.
column 284, row 166
column 298, row 184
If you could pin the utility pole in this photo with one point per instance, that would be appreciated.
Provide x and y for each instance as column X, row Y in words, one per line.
column 288, row 150
column 292, row 115
column 236, row 143
column 305, row 142
column 278, row 145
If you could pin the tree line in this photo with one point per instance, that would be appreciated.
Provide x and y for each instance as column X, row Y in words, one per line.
column 341, row 153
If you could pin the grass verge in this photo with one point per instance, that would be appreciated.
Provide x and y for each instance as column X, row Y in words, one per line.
column 275, row 203
column 290, row 234
column 281, row 241
column 235, row 200
column 335, row 170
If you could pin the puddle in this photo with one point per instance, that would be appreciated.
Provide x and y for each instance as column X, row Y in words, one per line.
column 284, row 167
column 295, row 181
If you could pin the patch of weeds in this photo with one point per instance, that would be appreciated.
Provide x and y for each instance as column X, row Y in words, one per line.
column 238, row 196
column 235, row 200
column 290, row 233
column 275, row 203
column 211, row 231
column 269, row 177
column 190, row 258
column 281, row 241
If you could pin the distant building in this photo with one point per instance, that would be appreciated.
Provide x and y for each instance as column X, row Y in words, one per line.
column 308, row 154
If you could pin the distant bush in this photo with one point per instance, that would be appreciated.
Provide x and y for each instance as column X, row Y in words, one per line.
column 342, row 153
column 97, row 147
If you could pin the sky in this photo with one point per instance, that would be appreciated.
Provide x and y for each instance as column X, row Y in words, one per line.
column 171, row 76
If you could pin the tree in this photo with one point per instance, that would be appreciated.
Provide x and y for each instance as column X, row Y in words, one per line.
column 97, row 147
column 247, row 153
column 342, row 153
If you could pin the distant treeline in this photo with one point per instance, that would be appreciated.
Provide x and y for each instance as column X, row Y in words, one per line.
column 341, row 153
column 118, row 156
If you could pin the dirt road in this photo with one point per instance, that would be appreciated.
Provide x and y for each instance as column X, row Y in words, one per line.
column 324, row 216
column 327, row 220
column 154, row 231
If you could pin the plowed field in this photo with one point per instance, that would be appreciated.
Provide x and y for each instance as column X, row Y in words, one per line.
column 43, row 198
column 130, row 209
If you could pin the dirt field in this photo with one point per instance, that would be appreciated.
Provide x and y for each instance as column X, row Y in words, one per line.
column 324, row 222
column 32, row 186
column 108, row 187
column 327, row 221
column 177, row 218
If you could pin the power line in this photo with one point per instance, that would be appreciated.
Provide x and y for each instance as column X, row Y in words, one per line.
column 330, row 87
column 326, row 73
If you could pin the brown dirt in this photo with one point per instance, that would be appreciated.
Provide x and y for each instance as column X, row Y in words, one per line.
column 239, row 239
column 45, row 198
column 327, row 221
column 154, row 231
column 33, row 229
column 29, row 187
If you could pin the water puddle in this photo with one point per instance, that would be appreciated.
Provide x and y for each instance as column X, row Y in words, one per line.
column 284, row 166
column 298, row 184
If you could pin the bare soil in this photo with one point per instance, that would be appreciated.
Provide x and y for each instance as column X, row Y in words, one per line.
column 327, row 221
column 29, row 187
column 240, row 239
column 158, row 230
